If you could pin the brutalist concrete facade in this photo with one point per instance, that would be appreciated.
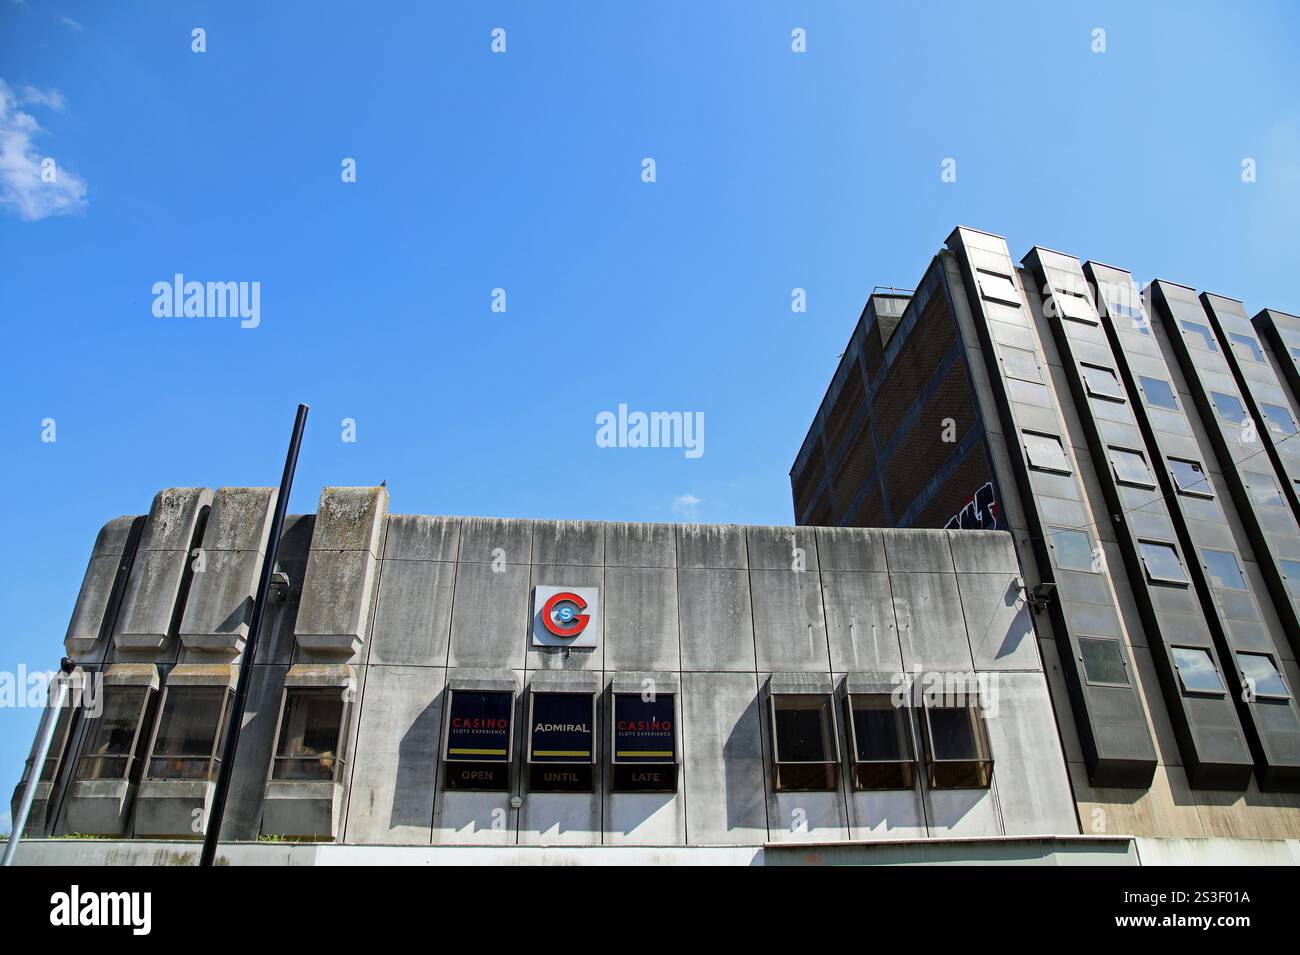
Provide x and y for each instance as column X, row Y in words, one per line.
column 1159, row 572
column 394, row 613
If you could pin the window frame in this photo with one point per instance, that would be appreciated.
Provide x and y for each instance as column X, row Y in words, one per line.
column 907, row 768
column 214, row 754
column 1148, row 484
column 132, row 758
column 1146, row 396
column 1218, row 412
column 829, row 768
column 1190, row 327
column 1269, row 419
column 1113, row 374
column 1123, row 660
column 1029, row 457
column 1214, row 578
column 1187, row 691
column 1255, row 479
column 1207, row 494
column 1286, row 695
column 981, row 765
column 1146, row 567
column 345, row 720
column 1054, row 533
column 1256, row 353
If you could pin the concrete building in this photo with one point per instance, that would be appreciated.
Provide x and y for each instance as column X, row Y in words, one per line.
column 1137, row 447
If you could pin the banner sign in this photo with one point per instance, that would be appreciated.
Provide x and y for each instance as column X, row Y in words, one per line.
column 561, row 742
column 478, row 739
column 645, row 743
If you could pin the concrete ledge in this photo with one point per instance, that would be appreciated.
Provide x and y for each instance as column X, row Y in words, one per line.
column 169, row 807
column 307, row 809
column 97, row 806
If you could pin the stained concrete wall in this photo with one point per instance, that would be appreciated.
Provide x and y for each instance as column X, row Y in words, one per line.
column 719, row 615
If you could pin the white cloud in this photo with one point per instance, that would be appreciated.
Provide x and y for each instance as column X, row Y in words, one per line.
column 68, row 21
column 687, row 505
column 23, row 190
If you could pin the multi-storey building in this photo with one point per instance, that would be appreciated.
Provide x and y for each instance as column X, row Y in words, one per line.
column 1139, row 449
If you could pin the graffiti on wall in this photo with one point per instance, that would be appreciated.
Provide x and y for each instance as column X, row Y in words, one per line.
column 979, row 513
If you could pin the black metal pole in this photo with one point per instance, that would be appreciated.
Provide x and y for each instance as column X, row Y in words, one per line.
column 226, row 769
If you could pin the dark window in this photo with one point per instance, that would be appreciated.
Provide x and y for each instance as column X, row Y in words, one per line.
column 1200, row 334
column 1228, row 407
column 188, row 739
column 1223, row 569
column 1101, row 382
column 1262, row 676
column 1190, row 478
column 113, row 739
column 1020, row 363
column 1162, row 563
column 1291, row 571
column 1159, row 393
column 884, row 751
column 1073, row 550
column 1246, row 346
column 478, row 740
column 957, row 746
column 1278, row 419
column 1264, row 490
column 1103, row 661
column 1196, row 670
column 1045, row 452
column 1130, row 467
column 803, row 726
column 311, row 734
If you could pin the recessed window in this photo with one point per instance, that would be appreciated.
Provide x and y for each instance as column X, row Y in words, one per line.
column 309, row 744
column 1045, row 452
column 1291, row 570
column 478, row 740
column 1190, row 478
column 1162, row 563
column 1101, row 382
column 1245, row 346
column 1278, row 419
column 562, row 751
column 645, row 743
column 1264, row 490
column 1130, row 467
column 957, row 747
column 1228, row 407
column 1159, row 393
column 114, row 739
column 1073, row 549
column 1223, row 569
column 1196, row 670
column 187, row 743
column 58, row 745
column 997, row 287
column 1199, row 335
column 1103, row 661
column 1020, row 363
column 806, row 753
column 1262, row 676
column 884, row 750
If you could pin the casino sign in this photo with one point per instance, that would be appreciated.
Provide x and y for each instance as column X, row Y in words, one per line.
column 565, row 616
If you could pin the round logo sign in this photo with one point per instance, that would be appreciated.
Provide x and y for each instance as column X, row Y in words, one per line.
column 563, row 616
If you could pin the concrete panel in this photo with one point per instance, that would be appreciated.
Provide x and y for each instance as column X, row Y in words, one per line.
column 724, row 772
column 851, row 548
column 220, row 603
column 717, row 626
column 104, row 577
column 561, row 819
column 646, row 819
column 1034, row 794
column 418, row 537
column 575, row 543
column 711, row 545
column 488, row 540
column 860, row 624
column 640, row 610
column 240, row 519
column 887, row 815
column 998, row 622
column 489, row 621
column 395, row 769
column 782, row 548
column 153, row 595
column 334, row 615
column 789, row 626
column 983, row 552
column 174, row 516
column 924, row 551
column 640, row 545
column 931, row 625
column 467, row 818
column 413, row 615
column 243, row 816
column 808, row 817
column 350, row 518
column 964, row 813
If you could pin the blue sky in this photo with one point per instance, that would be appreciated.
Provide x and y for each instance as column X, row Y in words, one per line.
column 523, row 171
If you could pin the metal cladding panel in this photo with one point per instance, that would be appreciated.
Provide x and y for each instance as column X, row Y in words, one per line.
column 1235, row 618
column 1122, row 754
column 1234, row 436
